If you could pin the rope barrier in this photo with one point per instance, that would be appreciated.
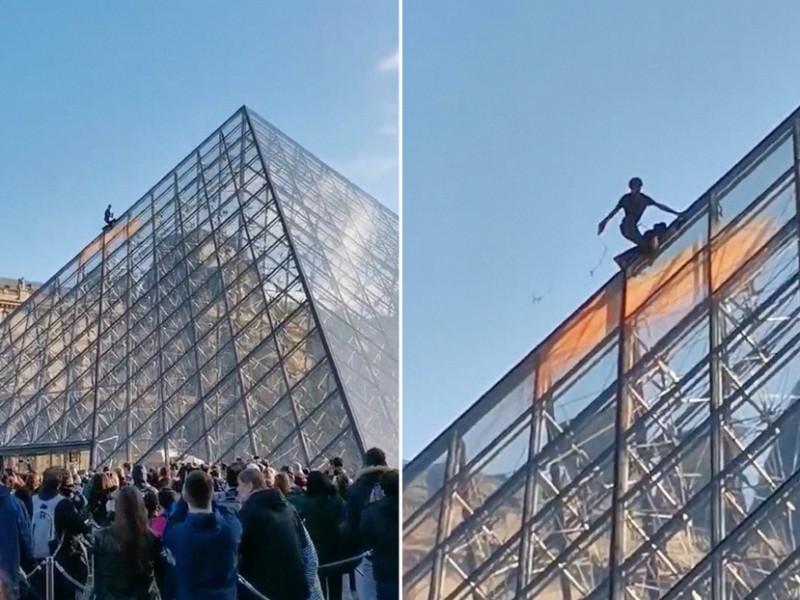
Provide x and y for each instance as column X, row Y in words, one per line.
column 84, row 588
column 80, row 586
column 250, row 588
column 346, row 560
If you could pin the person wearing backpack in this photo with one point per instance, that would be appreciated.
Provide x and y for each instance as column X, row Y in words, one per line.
column 365, row 490
column 56, row 526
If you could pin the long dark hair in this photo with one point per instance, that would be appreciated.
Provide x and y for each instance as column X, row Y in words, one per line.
column 129, row 529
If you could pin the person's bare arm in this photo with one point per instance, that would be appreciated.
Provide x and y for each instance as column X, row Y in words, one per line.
column 609, row 216
column 666, row 208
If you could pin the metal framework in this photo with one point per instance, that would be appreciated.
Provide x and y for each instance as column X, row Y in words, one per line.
column 648, row 448
column 247, row 304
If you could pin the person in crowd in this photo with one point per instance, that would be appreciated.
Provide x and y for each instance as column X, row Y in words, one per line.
column 323, row 512
column 156, row 520
column 16, row 551
column 57, row 529
column 114, row 484
column 166, row 500
column 164, row 478
column 363, row 491
column 273, row 541
column 230, row 497
column 33, row 481
column 294, row 495
column 380, row 525
column 126, row 553
column 202, row 548
column 140, row 480
column 101, row 488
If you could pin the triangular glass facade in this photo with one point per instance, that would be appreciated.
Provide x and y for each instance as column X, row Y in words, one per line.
column 206, row 322
column 648, row 448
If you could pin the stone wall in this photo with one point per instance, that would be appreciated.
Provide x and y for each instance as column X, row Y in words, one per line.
column 14, row 292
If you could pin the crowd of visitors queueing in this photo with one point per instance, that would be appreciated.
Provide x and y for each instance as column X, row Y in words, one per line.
column 195, row 531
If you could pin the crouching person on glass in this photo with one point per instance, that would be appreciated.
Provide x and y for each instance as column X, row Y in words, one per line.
column 202, row 548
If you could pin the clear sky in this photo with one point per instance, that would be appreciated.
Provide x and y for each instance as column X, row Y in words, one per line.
column 98, row 103
column 523, row 122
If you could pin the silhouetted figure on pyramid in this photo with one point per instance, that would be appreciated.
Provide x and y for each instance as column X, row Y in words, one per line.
column 109, row 218
column 634, row 204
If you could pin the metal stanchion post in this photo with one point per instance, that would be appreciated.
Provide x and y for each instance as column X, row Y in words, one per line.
column 50, row 587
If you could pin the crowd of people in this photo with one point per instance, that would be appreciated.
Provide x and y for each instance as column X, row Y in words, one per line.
column 196, row 531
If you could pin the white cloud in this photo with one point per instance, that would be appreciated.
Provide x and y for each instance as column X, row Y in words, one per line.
column 390, row 63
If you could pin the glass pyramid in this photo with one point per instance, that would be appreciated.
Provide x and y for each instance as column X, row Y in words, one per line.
column 247, row 304
column 649, row 447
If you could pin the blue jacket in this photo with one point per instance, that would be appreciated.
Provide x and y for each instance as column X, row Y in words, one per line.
column 15, row 538
column 203, row 549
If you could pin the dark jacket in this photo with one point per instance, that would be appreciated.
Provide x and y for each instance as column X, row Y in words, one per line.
column 271, row 552
column 324, row 518
column 15, row 539
column 203, row 550
column 25, row 495
column 116, row 578
column 380, row 532
column 357, row 499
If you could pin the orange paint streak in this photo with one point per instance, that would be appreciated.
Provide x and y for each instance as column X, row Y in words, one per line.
column 120, row 233
column 669, row 288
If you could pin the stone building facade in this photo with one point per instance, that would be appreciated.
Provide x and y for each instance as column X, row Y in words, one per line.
column 14, row 292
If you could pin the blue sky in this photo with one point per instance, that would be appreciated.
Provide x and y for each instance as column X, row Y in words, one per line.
column 98, row 104
column 523, row 122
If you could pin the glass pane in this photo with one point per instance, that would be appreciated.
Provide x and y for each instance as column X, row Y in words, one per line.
column 735, row 196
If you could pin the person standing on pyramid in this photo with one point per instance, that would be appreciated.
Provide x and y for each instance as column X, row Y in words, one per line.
column 634, row 204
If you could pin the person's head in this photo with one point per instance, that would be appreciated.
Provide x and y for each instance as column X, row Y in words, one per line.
column 374, row 457
column 319, row 484
column 635, row 184
column 198, row 490
column 390, row 482
column 342, row 483
column 139, row 475
column 33, row 480
column 166, row 498
column 151, row 504
column 337, row 462
column 250, row 481
column 283, row 482
column 232, row 474
column 52, row 479
column 111, row 481
column 109, row 206
column 129, row 509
